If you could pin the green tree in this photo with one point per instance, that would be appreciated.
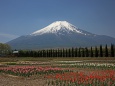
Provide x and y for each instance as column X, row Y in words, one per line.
column 47, row 52
column 101, row 51
column 106, row 51
column 96, row 52
column 72, row 52
column 86, row 52
column 66, row 52
column 112, row 50
column 63, row 55
column 79, row 52
column 5, row 49
column 91, row 52
column 83, row 52
column 56, row 53
column 76, row 54
column 69, row 53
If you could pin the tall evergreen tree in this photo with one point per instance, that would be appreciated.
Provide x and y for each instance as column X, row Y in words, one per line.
column 101, row 51
column 53, row 53
column 112, row 50
column 56, row 53
column 91, row 52
column 40, row 53
column 106, row 51
column 83, row 52
column 37, row 53
column 69, row 52
column 72, row 52
column 48, row 53
column 66, row 52
column 96, row 52
column 63, row 52
column 20, row 53
column 86, row 52
column 59, row 53
column 76, row 52
column 45, row 53
column 79, row 52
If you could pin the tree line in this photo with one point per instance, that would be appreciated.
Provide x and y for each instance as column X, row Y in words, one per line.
column 101, row 51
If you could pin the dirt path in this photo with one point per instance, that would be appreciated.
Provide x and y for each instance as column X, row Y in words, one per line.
column 9, row 80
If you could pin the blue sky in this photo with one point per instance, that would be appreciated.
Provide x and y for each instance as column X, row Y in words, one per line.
column 22, row 17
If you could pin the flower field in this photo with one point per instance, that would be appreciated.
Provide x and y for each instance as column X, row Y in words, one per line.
column 98, row 78
column 28, row 71
column 66, row 73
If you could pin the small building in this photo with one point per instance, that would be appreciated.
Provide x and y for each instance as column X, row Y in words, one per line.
column 15, row 53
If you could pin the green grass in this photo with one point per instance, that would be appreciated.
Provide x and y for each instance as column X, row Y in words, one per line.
column 16, row 59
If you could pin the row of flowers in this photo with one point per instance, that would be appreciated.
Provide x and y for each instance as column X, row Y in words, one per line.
column 94, row 78
column 94, row 65
column 30, row 70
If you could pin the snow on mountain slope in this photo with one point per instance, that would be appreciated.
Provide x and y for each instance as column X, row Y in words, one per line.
column 59, row 27
column 59, row 34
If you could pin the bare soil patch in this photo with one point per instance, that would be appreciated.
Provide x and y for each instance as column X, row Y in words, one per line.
column 10, row 80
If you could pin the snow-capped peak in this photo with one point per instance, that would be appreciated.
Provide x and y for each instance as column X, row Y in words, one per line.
column 58, row 27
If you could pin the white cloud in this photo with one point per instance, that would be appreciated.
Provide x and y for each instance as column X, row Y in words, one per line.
column 8, row 35
column 4, row 37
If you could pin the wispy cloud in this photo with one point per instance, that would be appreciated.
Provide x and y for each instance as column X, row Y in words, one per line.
column 8, row 35
column 4, row 37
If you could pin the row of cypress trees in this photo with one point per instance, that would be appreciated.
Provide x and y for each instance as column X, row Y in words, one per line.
column 71, row 52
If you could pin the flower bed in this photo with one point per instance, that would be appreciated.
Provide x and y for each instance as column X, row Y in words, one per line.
column 95, row 78
column 30, row 70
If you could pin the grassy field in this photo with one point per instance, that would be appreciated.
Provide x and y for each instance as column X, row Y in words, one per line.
column 15, row 59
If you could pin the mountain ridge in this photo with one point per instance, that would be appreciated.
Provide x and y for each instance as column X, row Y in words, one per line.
column 59, row 34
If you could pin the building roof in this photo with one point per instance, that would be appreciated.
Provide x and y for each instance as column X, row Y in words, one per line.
column 15, row 51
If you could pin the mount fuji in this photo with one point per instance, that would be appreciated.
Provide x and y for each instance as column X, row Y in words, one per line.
column 60, row 28
column 59, row 34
